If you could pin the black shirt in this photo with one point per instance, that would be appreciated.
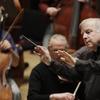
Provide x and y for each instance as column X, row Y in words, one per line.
column 44, row 81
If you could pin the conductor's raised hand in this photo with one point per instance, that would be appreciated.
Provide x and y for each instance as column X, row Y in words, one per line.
column 43, row 53
column 66, row 57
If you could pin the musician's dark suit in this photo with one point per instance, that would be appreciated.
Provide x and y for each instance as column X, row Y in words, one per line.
column 44, row 81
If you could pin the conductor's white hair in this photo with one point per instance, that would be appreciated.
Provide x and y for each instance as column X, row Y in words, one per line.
column 93, row 22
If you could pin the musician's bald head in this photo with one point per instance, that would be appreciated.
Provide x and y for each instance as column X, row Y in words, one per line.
column 57, row 42
column 58, row 39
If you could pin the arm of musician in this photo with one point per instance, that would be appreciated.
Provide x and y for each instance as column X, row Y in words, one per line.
column 43, row 7
column 83, row 0
column 52, row 11
column 44, row 54
column 62, row 96
column 17, row 5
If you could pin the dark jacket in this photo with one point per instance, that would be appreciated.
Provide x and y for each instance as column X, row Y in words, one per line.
column 88, row 68
column 90, row 71
column 44, row 81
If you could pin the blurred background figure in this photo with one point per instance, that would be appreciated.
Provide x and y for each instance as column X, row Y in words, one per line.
column 9, row 53
column 44, row 83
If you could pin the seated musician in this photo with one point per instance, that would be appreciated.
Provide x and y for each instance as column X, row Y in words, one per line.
column 44, row 83
column 8, row 47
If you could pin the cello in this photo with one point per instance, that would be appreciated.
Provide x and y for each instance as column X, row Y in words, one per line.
column 62, row 20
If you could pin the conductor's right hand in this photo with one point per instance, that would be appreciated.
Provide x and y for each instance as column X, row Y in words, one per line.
column 44, row 54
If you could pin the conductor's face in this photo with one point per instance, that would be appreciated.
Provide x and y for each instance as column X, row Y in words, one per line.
column 88, row 33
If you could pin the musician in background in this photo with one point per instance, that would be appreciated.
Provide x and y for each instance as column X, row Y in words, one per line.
column 44, row 83
column 49, row 7
column 34, row 4
column 52, row 8
column 8, row 43
column 8, row 46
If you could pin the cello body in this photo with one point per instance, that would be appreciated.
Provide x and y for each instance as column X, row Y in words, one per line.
column 5, row 89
